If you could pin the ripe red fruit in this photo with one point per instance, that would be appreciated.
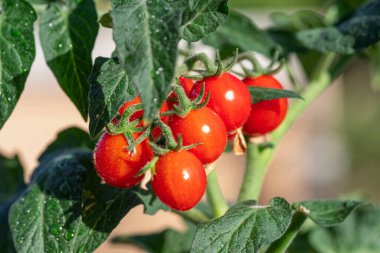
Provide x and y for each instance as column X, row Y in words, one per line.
column 115, row 165
column 179, row 180
column 266, row 115
column 229, row 98
column 201, row 126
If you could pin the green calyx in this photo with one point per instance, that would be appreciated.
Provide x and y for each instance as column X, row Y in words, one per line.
column 211, row 68
column 257, row 69
column 185, row 105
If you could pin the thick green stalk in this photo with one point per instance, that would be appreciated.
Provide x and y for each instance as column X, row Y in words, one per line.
column 282, row 244
column 194, row 215
column 258, row 159
column 256, row 163
column 215, row 196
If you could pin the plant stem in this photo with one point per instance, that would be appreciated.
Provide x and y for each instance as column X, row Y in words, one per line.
column 282, row 244
column 256, row 164
column 215, row 196
column 194, row 215
column 258, row 159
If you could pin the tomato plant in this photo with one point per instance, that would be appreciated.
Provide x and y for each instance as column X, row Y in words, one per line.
column 159, row 113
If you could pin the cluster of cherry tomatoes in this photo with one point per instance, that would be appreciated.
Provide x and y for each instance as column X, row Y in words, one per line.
column 179, row 176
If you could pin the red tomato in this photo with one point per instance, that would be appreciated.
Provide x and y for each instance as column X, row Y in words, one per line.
column 187, row 85
column 229, row 98
column 201, row 126
column 179, row 180
column 115, row 165
column 156, row 131
column 266, row 115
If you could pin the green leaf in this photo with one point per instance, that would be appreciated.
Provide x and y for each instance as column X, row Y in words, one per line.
column 11, row 184
column 167, row 241
column 6, row 244
column 41, row 1
column 146, row 34
column 358, row 234
column 150, row 201
column 203, row 18
column 109, row 90
column 353, row 34
column 297, row 21
column 259, row 94
column 246, row 227
column 68, row 139
column 328, row 212
column 240, row 32
column 285, row 26
column 12, row 178
column 65, row 207
column 17, row 52
column 301, row 244
column 67, row 32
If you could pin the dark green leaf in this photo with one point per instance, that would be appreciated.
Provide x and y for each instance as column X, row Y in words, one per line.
column 146, row 34
column 355, row 33
column 300, row 20
column 246, row 227
column 285, row 26
column 6, row 243
column 287, row 41
column 150, row 201
column 68, row 31
column 41, row 1
column 259, row 94
column 167, row 241
column 358, row 234
column 70, row 138
column 240, row 32
column 11, row 184
column 328, row 212
column 17, row 52
column 12, row 178
column 202, row 18
column 301, row 244
column 66, row 208
column 109, row 90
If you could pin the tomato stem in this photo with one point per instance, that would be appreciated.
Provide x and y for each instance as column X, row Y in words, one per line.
column 256, row 163
column 215, row 196
column 167, row 133
column 258, row 159
column 194, row 215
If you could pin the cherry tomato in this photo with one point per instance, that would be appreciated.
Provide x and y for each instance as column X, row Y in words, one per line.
column 187, row 85
column 179, row 180
column 201, row 126
column 229, row 98
column 266, row 115
column 115, row 165
column 139, row 114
